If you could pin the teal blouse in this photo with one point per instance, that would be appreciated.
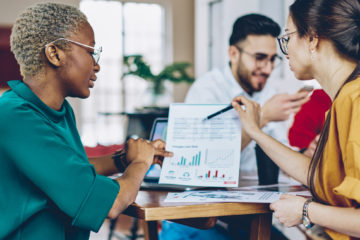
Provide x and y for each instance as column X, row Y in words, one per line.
column 48, row 188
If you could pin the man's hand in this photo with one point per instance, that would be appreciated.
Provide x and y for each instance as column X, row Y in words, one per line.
column 281, row 106
column 160, row 152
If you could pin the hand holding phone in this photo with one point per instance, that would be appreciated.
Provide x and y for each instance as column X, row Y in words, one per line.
column 306, row 88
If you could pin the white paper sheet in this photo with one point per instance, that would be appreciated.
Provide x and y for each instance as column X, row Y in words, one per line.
column 223, row 196
column 206, row 153
column 295, row 189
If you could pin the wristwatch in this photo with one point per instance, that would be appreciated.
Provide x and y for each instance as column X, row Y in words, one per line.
column 305, row 217
column 120, row 161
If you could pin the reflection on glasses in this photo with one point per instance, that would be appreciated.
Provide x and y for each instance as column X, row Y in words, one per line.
column 262, row 59
column 96, row 51
column 283, row 42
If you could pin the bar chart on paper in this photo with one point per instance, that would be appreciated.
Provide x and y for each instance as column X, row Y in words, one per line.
column 212, row 175
column 206, row 153
column 192, row 161
column 204, row 169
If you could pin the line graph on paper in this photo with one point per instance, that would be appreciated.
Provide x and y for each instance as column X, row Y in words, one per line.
column 219, row 157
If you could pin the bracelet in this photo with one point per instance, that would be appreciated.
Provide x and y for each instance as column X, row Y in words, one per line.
column 305, row 216
column 120, row 161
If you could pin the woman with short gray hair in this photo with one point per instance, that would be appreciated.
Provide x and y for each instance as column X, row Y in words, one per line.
column 49, row 190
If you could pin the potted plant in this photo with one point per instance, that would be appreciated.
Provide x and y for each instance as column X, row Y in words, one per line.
column 175, row 72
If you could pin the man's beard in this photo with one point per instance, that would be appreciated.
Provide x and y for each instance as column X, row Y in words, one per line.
column 244, row 76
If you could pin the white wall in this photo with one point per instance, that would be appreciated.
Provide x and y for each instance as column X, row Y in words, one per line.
column 10, row 9
column 183, row 39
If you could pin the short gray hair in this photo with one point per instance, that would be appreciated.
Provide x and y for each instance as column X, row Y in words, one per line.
column 38, row 25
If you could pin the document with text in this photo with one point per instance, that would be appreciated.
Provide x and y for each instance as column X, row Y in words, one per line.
column 223, row 196
column 206, row 152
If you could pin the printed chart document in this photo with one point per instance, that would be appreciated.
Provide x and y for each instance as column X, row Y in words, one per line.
column 206, row 153
column 223, row 196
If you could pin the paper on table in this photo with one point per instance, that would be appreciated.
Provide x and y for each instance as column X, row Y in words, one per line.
column 223, row 196
column 294, row 189
column 206, row 153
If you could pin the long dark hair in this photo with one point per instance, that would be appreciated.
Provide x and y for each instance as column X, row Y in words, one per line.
column 339, row 22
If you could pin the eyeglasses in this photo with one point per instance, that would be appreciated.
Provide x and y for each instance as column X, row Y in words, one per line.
column 262, row 59
column 283, row 42
column 95, row 54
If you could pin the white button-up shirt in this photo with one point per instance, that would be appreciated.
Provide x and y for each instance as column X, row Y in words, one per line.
column 220, row 86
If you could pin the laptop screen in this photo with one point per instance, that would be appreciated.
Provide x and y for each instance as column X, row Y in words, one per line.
column 158, row 131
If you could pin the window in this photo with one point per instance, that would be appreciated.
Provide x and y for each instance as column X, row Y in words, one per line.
column 120, row 30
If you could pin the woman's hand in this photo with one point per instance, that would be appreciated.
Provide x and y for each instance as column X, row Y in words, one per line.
column 139, row 151
column 160, row 152
column 250, row 117
column 288, row 209
column 310, row 150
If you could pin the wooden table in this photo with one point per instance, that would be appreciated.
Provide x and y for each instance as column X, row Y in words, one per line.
column 150, row 207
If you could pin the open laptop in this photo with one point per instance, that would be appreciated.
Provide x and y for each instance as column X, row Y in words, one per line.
column 151, row 179
column 158, row 131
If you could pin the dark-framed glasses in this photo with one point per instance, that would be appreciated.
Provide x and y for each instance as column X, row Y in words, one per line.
column 284, row 40
column 96, row 50
column 262, row 59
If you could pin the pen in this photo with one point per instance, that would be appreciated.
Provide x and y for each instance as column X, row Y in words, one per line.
column 220, row 112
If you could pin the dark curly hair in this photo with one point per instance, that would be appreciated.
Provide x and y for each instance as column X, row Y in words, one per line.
column 253, row 23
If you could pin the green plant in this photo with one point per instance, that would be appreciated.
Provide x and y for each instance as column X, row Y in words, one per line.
column 176, row 72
